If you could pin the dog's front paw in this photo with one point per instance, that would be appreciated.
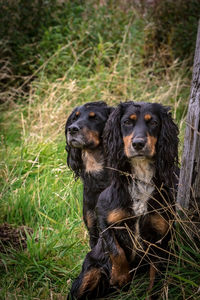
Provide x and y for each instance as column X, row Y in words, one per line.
column 120, row 277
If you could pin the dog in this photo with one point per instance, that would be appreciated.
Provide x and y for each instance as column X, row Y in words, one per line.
column 83, row 131
column 135, row 213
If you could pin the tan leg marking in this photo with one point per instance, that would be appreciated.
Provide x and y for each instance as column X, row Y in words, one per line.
column 152, row 275
column 120, row 268
column 116, row 215
column 159, row 223
column 90, row 281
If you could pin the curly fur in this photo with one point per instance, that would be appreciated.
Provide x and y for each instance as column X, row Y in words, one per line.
column 167, row 153
column 142, row 192
column 167, row 147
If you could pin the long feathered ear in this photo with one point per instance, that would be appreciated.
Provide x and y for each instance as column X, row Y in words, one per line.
column 112, row 139
column 167, row 148
column 74, row 160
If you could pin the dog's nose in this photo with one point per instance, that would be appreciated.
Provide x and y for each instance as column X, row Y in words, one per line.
column 73, row 129
column 138, row 143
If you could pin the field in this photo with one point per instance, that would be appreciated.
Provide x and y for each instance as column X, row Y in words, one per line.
column 85, row 56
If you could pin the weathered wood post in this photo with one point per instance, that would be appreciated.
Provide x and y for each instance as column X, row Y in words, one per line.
column 189, row 182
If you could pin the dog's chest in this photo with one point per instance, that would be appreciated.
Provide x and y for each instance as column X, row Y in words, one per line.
column 93, row 161
column 141, row 187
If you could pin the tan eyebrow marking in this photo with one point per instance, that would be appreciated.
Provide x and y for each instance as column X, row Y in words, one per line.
column 77, row 113
column 92, row 114
column 147, row 117
column 133, row 117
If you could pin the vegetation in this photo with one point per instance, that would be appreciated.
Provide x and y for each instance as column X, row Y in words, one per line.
column 78, row 51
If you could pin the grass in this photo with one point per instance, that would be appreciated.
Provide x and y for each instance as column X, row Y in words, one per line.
column 39, row 191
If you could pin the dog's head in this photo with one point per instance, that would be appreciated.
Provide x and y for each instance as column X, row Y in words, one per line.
column 142, row 130
column 83, row 130
column 85, row 125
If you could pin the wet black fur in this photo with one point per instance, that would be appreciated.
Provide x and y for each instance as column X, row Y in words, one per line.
column 93, row 183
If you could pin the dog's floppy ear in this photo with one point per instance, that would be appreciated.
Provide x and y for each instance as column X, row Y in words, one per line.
column 167, row 147
column 112, row 139
column 74, row 160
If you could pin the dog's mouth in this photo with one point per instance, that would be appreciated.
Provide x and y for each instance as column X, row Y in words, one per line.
column 83, row 140
column 79, row 142
column 76, row 144
column 139, row 156
column 146, row 153
column 75, row 141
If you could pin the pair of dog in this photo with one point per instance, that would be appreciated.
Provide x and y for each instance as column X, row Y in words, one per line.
column 127, row 158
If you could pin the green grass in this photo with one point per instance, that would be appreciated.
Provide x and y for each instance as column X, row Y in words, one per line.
column 39, row 191
column 90, row 57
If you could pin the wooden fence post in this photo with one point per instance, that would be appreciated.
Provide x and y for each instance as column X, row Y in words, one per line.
column 189, row 181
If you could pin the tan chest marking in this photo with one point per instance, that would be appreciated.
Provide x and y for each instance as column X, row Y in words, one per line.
column 93, row 161
column 142, row 186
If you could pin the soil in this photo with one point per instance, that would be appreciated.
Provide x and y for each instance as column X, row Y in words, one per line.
column 13, row 237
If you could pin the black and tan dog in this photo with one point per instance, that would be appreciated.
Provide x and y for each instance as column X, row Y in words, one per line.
column 136, row 212
column 84, row 129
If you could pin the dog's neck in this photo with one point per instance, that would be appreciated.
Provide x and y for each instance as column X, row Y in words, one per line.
column 93, row 160
column 142, row 169
column 141, row 187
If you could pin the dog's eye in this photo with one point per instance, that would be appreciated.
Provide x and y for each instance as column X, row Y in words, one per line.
column 93, row 117
column 153, row 123
column 128, row 122
column 75, row 117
